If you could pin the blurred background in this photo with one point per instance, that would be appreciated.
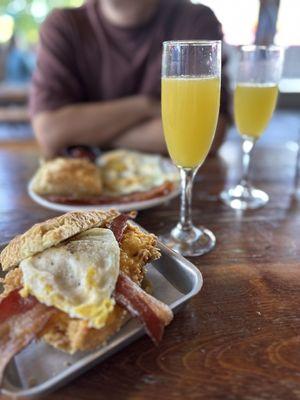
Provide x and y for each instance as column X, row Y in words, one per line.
column 244, row 22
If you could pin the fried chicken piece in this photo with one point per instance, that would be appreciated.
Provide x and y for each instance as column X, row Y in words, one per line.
column 137, row 249
column 12, row 280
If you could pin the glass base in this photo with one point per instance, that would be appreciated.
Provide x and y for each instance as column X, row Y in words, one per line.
column 189, row 243
column 244, row 197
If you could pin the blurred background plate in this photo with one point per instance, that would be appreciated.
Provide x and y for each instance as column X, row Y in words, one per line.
column 136, row 205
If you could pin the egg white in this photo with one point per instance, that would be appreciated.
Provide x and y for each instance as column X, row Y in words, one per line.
column 125, row 172
column 77, row 277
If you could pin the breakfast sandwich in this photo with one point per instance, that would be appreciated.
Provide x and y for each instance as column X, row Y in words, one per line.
column 118, row 176
column 74, row 280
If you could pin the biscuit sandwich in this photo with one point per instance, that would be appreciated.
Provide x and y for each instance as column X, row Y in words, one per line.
column 74, row 280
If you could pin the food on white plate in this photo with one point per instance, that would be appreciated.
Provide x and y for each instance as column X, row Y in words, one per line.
column 119, row 176
column 74, row 280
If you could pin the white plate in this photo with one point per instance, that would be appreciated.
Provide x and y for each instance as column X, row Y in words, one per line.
column 134, row 205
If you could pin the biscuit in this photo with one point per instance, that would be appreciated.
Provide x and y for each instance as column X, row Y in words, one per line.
column 76, row 177
column 50, row 233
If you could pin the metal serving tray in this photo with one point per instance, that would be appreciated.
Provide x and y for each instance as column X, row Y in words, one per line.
column 40, row 368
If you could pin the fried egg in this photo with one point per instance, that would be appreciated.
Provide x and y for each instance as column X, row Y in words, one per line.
column 77, row 277
column 125, row 171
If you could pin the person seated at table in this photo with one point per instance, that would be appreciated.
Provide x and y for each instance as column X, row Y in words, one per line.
column 97, row 80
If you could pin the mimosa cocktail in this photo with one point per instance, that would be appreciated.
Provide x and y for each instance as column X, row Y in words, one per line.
column 253, row 107
column 190, row 108
column 255, row 98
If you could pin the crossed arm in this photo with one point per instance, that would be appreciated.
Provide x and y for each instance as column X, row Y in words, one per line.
column 132, row 122
column 95, row 124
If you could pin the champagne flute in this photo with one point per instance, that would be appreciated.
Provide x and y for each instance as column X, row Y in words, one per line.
column 255, row 98
column 191, row 73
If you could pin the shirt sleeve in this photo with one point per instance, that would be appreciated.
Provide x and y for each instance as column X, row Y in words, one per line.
column 55, row 81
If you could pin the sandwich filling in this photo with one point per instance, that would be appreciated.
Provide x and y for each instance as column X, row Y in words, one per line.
column 77, row 277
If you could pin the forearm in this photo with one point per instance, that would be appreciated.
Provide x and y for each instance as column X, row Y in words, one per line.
column 147, row 136
column 90, row 124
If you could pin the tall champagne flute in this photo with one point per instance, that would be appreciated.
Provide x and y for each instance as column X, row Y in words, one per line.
column 255, row 98
column 191, row 73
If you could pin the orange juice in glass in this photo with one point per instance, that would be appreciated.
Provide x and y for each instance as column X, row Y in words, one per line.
column 254, row 104
column 190, row 109
column 190, row 106
column 255, row 97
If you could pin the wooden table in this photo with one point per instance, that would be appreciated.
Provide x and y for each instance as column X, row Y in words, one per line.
column 239, row 337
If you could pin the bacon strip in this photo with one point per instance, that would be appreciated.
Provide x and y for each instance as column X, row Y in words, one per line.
column 153, row 314
column 28, row 317
column 158, row 191
column 119, row 224
column 15, row 304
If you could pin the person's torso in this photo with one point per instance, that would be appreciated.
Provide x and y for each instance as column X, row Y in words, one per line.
column 113, row 62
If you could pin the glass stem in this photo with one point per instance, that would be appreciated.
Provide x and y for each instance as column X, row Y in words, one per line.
column 247, row 147
column 187, row 176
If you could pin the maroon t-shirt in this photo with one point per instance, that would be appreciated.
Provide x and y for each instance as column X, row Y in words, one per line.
column 84, row 58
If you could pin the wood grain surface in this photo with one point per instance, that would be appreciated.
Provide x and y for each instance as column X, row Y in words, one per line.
column 239, row 337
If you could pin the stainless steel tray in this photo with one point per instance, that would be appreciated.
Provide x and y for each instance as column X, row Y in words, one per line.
column 40, row 368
